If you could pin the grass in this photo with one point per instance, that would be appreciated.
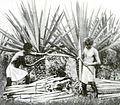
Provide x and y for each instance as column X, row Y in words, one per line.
column 71, row 101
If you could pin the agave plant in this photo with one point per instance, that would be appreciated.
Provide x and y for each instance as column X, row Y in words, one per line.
column 103, row 28
column 39, row 31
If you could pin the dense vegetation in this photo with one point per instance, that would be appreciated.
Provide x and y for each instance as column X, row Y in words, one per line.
column 63, row 32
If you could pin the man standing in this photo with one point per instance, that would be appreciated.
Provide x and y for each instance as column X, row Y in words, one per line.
column 90, row 58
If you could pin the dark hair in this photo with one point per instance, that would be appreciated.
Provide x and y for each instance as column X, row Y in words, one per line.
column 88, row 41
column 27, row 46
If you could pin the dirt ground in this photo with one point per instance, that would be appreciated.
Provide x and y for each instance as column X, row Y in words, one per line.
column 68, row 101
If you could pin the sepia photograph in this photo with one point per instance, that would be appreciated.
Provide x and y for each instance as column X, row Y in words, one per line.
column 59, row 52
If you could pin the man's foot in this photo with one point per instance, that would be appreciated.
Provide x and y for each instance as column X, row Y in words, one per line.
column 95, row 95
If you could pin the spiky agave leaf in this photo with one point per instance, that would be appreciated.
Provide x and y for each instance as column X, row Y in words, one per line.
column 11, row 37
column 108, row 36
column 101, row 28
column 8, row 49
column 30, row 29
column 80, row 22
column 35, row 21
column 18, row 28
column 2, row 43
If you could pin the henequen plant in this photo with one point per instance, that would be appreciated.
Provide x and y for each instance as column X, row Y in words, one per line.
column 36, row 30
column 103, row 28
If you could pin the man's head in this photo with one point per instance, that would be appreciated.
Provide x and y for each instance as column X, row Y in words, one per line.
column 88, row 42
column 27, row 47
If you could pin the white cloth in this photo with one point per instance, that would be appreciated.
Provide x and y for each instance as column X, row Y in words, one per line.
column 89, row 75
column 16, row 74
